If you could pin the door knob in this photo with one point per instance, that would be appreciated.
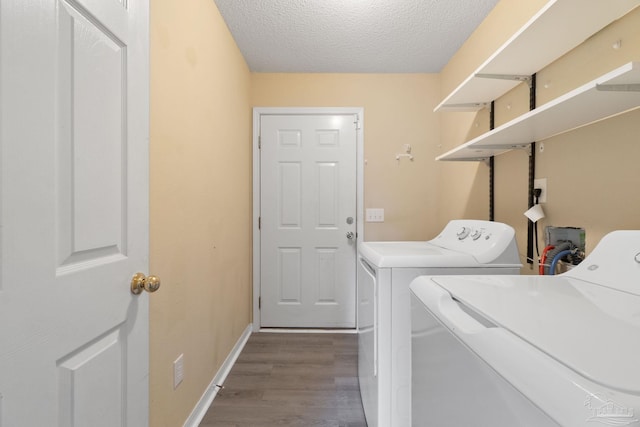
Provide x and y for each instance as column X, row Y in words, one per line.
column 139, row 283
column 350, row 235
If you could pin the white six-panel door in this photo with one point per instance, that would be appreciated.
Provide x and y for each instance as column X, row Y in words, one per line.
column 308, row 209
column 74, row 212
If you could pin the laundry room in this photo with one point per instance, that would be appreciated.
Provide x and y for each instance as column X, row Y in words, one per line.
column 203, row 94
column 319, row 212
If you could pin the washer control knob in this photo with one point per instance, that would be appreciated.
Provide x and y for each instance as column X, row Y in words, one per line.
column 475, row 234
column 463, row 233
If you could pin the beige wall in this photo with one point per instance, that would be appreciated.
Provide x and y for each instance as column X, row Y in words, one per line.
column 397, row 110
column 200, row 201
column 590, row 171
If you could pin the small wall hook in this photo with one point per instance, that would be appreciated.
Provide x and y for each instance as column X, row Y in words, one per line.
column 407, row 152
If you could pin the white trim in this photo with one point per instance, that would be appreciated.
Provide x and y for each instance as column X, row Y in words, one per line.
column 259, row 111
column 210, row 393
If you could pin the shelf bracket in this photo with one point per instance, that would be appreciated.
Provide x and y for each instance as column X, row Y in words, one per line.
column 518, row 77
column 619, row 88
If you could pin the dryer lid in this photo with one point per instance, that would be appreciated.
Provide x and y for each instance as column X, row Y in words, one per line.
column 413, row 255
column 591, row 329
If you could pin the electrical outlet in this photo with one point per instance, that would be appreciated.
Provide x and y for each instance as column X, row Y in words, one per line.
column 374, row 215
column 542, row 185
column 178, row 371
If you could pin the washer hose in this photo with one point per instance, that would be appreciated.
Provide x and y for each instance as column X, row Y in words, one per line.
column 543, row 259
column 558, row 257
column 553, row 252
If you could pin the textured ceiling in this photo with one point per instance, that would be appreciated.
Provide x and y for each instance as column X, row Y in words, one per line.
column 351, row 36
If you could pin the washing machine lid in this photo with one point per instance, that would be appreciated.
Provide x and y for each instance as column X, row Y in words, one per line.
column 414, row 255
column 591, row 329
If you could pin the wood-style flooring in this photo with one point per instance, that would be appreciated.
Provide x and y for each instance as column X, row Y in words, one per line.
column 291, row 379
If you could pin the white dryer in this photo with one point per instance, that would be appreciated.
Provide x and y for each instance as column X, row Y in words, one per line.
column 385, row 270
column 506, row 351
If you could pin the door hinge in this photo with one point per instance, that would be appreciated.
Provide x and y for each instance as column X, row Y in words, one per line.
column 259, row 303
column 259, row 142
column 259, row 223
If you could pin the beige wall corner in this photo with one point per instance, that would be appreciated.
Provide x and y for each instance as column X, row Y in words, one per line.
column 398, row 110
column 200, row 198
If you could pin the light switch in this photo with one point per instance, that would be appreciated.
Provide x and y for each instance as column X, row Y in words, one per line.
column 374, row 215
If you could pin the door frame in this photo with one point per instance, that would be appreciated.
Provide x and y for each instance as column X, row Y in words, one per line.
column 265, row 111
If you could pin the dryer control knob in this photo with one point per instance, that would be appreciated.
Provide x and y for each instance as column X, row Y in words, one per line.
column 475, row 235
column 463, row 233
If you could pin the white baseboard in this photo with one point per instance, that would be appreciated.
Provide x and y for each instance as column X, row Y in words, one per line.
column 308, row 331
column 210, row 393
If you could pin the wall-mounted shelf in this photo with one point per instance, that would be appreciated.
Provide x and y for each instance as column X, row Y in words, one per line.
column 611, row 94
column 557, row 28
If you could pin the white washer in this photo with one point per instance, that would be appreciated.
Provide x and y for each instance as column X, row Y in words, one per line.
column 385, row 270
column 506, row 351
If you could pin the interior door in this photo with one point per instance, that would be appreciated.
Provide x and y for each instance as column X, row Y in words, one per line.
column 308, row 214
column 74, row 212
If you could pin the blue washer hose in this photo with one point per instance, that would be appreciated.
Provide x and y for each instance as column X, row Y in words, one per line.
column 554, row 262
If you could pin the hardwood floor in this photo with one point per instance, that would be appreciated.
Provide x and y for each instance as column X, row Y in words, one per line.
column 283, row 379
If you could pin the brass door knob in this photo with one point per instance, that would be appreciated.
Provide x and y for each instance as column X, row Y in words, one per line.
column 139, row 283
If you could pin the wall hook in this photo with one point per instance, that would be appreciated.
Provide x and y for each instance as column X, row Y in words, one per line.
column 399, row 155
column 407, row 152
